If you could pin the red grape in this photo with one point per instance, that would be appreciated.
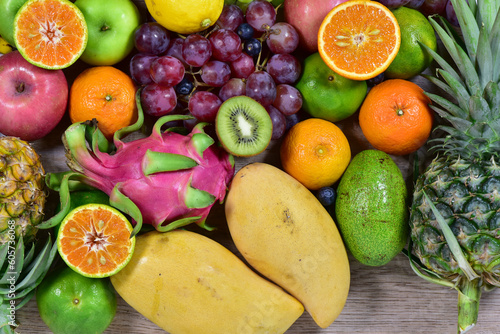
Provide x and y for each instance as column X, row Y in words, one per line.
column 278, row 120
column 243, row 66
column 140, row 65
column 215, row 73
column 230, row 18
column 234, row 87
column 288, row 99
column 196, row 50
column 158, row 100
column 282, row 38
column 204, row 106
column 175, row 50
column 261, row 15
column 151, row 38
column 226, row 45
column 167, row 71
column 261, row 87
column 284, row 68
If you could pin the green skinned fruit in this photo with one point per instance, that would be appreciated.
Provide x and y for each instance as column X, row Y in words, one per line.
column 371, row 208
column 8, row 10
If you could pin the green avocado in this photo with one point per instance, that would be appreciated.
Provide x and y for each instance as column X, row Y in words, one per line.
column 371, row 208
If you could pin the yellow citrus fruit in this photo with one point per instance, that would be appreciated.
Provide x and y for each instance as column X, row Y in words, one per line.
column 359, row 39
column 315, row 152
column 185, row 16
column 412, row 58
column 94, row 240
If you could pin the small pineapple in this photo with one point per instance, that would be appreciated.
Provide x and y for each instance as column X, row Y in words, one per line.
column 455, row 214
column 24, row 261
column 22, row 196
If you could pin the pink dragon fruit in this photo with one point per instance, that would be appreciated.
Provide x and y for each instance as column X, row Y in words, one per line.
column 167, row 180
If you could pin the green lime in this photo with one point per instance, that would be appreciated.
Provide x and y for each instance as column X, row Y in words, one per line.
column 71, row 303
column 326, row 94
column 412, row 58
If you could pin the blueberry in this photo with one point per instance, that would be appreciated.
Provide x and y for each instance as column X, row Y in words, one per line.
column 184, row 87
column 326, row 196
column 245, row 31
column 252, row 46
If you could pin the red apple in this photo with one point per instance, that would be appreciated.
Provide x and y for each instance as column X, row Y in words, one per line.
column 33, row 100
column 306, row 16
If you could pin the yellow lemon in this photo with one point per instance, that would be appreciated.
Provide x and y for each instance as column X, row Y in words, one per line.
column 185, row 16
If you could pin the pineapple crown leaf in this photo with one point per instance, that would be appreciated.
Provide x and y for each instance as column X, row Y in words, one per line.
column 495, row 47
column 484, row 57
column 467, row 21
column 488, row 10
column 492, row 94
column 466, row 66
column 449, row 107
column 459, row 91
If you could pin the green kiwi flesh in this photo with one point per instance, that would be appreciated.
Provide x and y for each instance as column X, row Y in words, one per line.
column 243, row 126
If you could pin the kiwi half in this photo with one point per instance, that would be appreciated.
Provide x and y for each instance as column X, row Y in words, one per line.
column 243, row 126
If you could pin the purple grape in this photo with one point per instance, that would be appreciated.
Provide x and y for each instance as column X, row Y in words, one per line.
column 288, row 99
column 175, row 50
column 375, row 80
column 196, row 50
column 215, row 73
column 167, row 71
column 430, row 7
column 234, row 87
column 282, row 38
column 279, row 122
column 158, row 100
column 414, row 4
column 226, row 45
column 393, row 4
column 261, row 15
column 243, row 66
column 293, row 119
column 252, row 46
column 284, row 68
column 204, row 106
column 140, row 65
column 151, row 38
column 230, row 18
column 261, row 87
column 450, row 14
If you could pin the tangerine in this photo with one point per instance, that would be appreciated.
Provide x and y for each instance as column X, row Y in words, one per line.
column 94, row 240
column 359, row 39
column 50, row 33
column 395, row 117
column 315, row 152
column 106, row 94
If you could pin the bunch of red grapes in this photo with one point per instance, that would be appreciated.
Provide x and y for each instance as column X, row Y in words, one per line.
column 242, row 54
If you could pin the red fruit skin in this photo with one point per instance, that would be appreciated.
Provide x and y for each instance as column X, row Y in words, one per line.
column 33, row 100
column 306, row 17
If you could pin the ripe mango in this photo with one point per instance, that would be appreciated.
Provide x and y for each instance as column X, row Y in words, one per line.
column 371, row 208
column 285, row 233
column 187, row 283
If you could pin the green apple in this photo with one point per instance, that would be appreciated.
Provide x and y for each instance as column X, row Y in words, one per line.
column 111, row 26
column 8, row 10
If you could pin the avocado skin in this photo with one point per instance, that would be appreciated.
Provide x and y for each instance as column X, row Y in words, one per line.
column 371, row 208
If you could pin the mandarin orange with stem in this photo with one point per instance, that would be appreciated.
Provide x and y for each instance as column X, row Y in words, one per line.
column 395, row 117
column 315, row 152
column 106, row 94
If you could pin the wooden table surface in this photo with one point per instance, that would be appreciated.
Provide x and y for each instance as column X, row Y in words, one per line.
column 387, row 299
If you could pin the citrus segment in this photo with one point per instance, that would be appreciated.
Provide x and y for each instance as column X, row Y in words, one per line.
column 50, row 33
column 94, row 240
column 359, row 39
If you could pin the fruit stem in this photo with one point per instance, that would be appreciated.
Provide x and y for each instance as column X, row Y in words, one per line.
column 468, row 303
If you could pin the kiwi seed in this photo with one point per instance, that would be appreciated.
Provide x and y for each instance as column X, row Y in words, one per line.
column 243, row 126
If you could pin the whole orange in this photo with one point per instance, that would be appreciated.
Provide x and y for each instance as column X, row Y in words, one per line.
column 106, row 94
column 315, row 152
column 395, row 117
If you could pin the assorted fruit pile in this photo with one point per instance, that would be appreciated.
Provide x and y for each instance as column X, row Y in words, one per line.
column 166, row 102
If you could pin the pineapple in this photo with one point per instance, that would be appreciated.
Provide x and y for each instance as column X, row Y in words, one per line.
column 23, row 260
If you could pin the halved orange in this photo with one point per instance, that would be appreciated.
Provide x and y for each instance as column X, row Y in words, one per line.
column 94, row 240
column 359, row 39
column 50, row 33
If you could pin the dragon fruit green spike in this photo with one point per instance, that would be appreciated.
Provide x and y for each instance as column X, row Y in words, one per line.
column 169, row 179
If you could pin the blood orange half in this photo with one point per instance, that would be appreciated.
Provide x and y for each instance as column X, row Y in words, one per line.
column 359, row 39
column 94, row 240
column 50, row 33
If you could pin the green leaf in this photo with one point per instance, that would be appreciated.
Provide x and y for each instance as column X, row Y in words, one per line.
column 468, row 27
column 157, row 162
column 495, row 47
column 459, row 91
column 479, row 109
column 488, row 10
column 484, row 58
column 452, row 242
column 118, row 200
column 14, row 264
column 450, row 107
column 469, row 72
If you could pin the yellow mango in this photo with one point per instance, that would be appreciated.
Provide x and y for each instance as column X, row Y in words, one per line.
column 284, row 232
column 187, row 283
